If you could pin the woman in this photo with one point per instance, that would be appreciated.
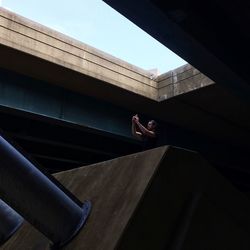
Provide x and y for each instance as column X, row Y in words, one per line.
column 147, row 134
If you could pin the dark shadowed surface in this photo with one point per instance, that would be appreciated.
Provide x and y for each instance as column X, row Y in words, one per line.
column 165, row 198
column 115, row 188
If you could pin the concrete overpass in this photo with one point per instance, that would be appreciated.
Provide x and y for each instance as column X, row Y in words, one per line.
column 65, row 102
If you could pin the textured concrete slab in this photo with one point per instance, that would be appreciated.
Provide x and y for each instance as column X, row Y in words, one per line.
column 181, row 80
column 115, row 188
column 25, row 37
column 39, row 41
column 163, row 198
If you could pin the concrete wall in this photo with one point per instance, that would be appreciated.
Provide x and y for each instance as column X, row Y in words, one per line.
column 179, row 81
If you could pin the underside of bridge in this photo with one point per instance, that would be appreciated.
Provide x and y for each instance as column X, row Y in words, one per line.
column 62, row 118
column 54, row 145
column 213, row 36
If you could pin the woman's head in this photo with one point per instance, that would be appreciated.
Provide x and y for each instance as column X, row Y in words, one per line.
column 152, row 125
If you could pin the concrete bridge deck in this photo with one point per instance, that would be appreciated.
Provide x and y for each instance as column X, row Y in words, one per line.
column 36, row 40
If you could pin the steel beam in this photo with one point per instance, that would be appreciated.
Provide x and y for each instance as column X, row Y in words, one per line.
column 34, row 196
column 43, row 99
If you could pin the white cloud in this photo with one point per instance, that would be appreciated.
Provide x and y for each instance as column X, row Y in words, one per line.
column 1, row 2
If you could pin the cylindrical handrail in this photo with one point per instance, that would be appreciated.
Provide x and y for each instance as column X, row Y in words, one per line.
column 10, row 221
column 37, row 198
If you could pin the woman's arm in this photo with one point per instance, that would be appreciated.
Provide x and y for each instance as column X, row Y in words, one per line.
column 144, row 130
column 134, row 131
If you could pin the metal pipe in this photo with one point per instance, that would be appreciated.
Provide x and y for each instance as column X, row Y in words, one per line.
column 10, row 221
column 37, row 198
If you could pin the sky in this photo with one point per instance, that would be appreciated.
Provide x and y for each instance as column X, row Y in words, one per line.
column 97, row 24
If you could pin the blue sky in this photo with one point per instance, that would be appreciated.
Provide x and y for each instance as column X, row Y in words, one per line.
column 95, row 23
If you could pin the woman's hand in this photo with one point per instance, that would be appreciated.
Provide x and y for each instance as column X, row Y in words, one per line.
column 135, row 118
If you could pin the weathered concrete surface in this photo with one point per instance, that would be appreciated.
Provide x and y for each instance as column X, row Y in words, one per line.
column 146, row 201
column 26, row 36
column 179, row 81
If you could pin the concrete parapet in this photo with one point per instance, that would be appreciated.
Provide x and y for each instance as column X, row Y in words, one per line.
column 180, row 81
